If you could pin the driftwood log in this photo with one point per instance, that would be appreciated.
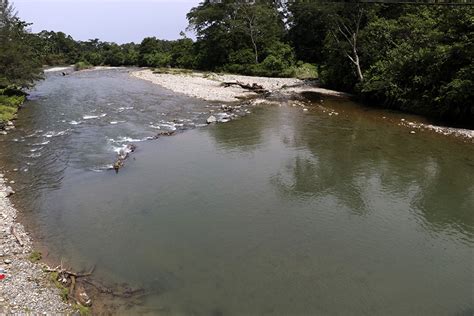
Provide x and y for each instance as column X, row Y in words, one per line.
column 252, row 87
column 14, row 233
column 81, row 288
column 67, row 274
column 69, row 280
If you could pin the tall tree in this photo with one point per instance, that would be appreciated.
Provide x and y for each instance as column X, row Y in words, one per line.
column 20, row 64
column 345, row 30
column 231, row 27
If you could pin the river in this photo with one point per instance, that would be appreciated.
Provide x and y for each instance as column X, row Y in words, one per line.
column 280, row 212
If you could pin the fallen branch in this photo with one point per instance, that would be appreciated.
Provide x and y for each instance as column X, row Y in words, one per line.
column 60, row 270
column 73, row 284
column 125, row 293
column 254, row 87
column 80, row 275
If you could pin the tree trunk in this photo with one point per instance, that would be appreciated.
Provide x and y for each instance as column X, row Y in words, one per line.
column 356, row 59
column 252, row 38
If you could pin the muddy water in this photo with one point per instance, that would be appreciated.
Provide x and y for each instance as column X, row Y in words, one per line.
column 281, row 212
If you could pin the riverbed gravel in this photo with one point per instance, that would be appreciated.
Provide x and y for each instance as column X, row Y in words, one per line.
column 26, row 289
column 208, row 86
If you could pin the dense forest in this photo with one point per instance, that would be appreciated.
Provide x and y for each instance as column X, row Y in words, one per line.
column 415, row 58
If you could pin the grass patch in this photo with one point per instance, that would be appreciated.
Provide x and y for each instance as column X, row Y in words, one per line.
column 64, row 291
column 9, row 106
column 7, row 113
column 35, row 256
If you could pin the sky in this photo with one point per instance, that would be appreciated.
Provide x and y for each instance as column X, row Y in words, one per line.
column 119, row 21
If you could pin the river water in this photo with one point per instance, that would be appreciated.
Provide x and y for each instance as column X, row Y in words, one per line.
column 281, row 212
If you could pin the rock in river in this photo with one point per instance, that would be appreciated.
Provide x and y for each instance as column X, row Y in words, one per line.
column 9, row 191
column 211, row 119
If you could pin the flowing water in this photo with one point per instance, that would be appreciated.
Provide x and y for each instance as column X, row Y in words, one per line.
column 282, row 212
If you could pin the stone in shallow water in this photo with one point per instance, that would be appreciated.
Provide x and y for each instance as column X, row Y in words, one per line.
column 9, row 191
column 211, row 119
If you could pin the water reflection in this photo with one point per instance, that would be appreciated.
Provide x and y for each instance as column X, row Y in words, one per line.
column 357, row 162
column 244, row 135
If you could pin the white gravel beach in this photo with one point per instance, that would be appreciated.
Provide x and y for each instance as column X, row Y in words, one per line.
column 26, row 288
column 208, row 86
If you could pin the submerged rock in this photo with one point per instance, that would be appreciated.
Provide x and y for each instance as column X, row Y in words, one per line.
column 211, row 119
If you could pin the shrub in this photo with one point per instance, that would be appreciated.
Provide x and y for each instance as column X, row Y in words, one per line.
column 157, row 59
column 82, row 65
column 7, row 113
column 305, row 71
column 9, row 106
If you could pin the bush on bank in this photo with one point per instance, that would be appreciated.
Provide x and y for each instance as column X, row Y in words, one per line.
column 82, row 65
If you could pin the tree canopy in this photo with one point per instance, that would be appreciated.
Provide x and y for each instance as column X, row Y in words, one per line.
column 20, row 64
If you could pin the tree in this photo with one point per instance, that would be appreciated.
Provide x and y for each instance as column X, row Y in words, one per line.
column 226, row 32
column 20, row 64
column 345, row 29
column 260, row 22
column 308, row 25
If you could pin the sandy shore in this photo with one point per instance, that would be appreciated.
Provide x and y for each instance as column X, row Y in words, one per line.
column 207, row 86
column 54, row 69
column 26, row 288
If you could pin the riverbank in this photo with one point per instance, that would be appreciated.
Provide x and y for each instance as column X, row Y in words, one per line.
column 26, row 288
column 208, row 86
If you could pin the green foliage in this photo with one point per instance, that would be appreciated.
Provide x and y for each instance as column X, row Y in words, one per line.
column 82, row 65
column 413, row 58
column 229, row 30
column 7, row 113
column 9, row 105
column 157, row 59
column 94, row 58
column 35, row 256
column 309, row 26
column 305, row 71
column 425, row 63
column 64, row 291
column 20, row 64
